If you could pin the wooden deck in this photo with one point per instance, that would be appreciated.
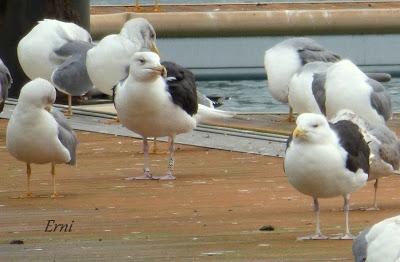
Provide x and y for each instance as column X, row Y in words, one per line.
column 212, row 212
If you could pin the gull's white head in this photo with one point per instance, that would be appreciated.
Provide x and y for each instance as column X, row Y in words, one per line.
column 38, row 93
column 141, row 32
column 146, row 66
column 312, row 128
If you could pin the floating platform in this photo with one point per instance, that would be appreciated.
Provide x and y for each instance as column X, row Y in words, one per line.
column 213, row 211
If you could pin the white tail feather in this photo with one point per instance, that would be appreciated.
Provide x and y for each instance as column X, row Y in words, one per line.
column 207, row 114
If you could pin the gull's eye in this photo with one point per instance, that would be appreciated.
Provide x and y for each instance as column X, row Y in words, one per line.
column 315, row 125
column 141, row 61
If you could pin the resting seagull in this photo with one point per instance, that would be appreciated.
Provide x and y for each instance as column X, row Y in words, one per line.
column 149, row 107
column 284, row 59
column 37, row 134
column 306, row 88
column 384, row 147
column 318, row 89
column 379, row 243
column 56, row 51
column 108, row 62
column 324, row 161
column 5, row 84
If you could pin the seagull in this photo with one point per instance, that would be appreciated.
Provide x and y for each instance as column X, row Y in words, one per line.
column 306, row 91
column 37, row 134
column 5, row 84
column 326, row 160
column 150, row 107
column 56, row 51
column 71, row 77
column 108, row 62
column 384, row 147
column 284, row 59
column 327, row 89
column 381, row 242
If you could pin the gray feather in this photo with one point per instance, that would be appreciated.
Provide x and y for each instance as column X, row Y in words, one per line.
column 310, row 51
column 66, row 134
column 73, row 48
column 318, row 89
column 5, row 84
column 360, row 245
column 380, row 99
column 389, row 150
column 72, row 76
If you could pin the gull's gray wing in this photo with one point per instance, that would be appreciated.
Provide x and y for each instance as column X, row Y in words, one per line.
column 71, row 76
column 380, row 99
column 360, row 246
column 318, row 90
column 310, row 51
column 66, row 134
column 389, row 150
column 5, row 84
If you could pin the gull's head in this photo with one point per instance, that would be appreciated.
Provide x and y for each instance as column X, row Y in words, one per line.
column 312, row 128
column 140, row 31
column 146, row 66
column 38, row 93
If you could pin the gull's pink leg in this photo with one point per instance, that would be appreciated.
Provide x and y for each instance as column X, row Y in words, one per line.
column 169, row 175
column 375, row 206
column 318, row 234
column 347, row 235
column 146, row 170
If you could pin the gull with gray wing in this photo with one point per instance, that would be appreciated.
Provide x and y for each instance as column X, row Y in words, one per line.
column 37, row 134
column 384, row 147
column 379, row 243
column 56, row 51
column 5, row 84
column 108, row 62
column 284, row 59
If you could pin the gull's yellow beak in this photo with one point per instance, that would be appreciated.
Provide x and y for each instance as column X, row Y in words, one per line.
column 298, row 132
column 154, row 48
column 48, row 108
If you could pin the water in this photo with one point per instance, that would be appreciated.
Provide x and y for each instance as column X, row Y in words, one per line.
column 253, row 96
column 249, row 95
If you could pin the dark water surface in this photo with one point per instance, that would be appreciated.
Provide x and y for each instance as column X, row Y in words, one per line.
column 253, row 96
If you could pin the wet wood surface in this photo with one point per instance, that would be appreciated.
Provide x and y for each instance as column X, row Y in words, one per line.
column 212, row 212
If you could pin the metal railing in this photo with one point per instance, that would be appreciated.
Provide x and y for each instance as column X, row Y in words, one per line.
column 155, row 9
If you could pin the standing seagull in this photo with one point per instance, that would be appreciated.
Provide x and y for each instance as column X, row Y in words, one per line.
column 108, row 62
column 5, row 84
column 283, row 60
column 379, row 243
column 325, row 161
column 56, row 51
column 151, row 108
column 384, row 146
column 38, row 134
